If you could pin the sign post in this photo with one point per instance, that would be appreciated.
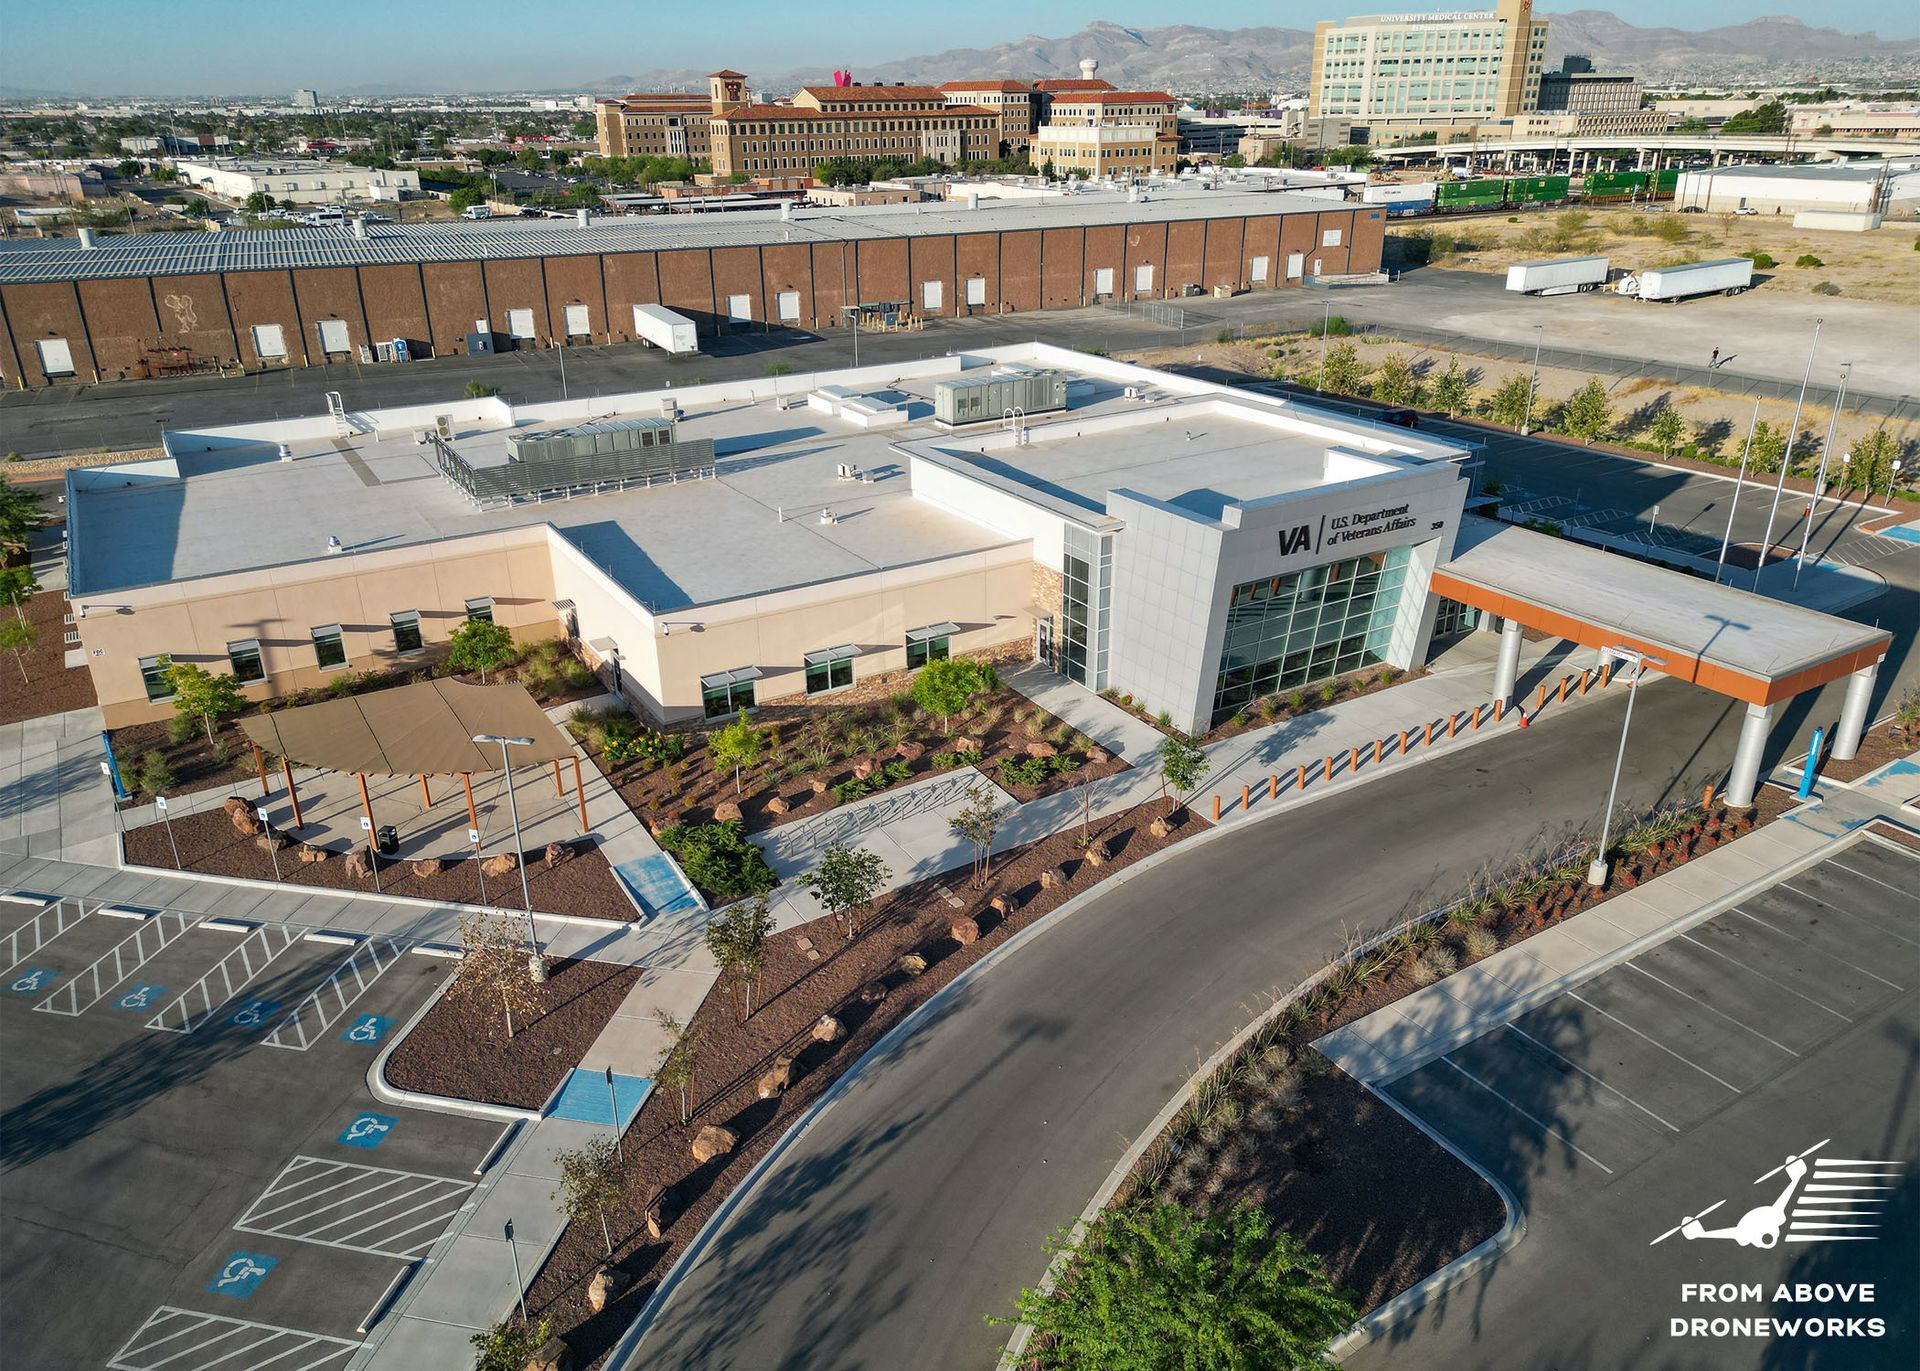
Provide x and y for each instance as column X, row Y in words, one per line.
column 266, row 832
column 373, row 851
column 613, row 1102
column 473, row 836
column 160, row 803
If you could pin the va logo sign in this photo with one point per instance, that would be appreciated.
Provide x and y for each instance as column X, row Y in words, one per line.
column 1296, row 540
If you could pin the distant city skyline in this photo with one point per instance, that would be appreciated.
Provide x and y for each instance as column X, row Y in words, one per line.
column 231, row 47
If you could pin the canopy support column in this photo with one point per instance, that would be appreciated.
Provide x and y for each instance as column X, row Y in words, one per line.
column 260, row 763
column 293, row 796
column 580, row 792
column 1745, row 778
column 366, row 802
column 559, row 786
column 1506, row 670
column 426, row 796
column 1853, row 713
column 473, row 819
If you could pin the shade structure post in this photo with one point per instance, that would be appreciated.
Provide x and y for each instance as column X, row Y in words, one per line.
column 426, row 796
column 260, row 764
column 580, row 792
column 473, row 819
column 293, row 796
column 366, row 803
column 559, row 787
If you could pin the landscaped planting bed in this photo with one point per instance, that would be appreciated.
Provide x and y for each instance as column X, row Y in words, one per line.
column 1281, row 706
column 50, row 686
column 461, row 1048
column 582, row 885
column 1890, row 742
column 793, row 993
column 811, row 762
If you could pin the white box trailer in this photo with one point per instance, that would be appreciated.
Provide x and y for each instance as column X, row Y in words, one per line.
column 1561, row 276
column 1395, row 193
column 671, row 333
column 1723, row 276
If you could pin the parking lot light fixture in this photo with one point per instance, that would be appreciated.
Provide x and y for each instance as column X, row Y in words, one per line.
column 1533, row 377
column 536, row 965
column 1639, row 661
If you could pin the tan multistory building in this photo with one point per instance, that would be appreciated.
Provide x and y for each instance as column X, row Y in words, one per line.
column 1015, row 102
column 863, row 122
column 669, row 124
column 1123, row 150
column 1421, row 70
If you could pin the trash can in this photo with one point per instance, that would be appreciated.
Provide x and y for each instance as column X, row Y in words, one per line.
column 389, row 840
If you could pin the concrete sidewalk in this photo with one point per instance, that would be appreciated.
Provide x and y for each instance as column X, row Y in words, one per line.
column 54, row 801
column 1111, row 727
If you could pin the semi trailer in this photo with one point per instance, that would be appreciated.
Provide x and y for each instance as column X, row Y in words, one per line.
column 1723, row 276
column 671, row 333
column 1561, row 276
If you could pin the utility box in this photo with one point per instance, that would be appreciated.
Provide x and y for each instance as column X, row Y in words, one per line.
column 480, row 345
column 975, row 399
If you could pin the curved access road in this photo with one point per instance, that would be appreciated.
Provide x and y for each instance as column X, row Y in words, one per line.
column 918, row 1202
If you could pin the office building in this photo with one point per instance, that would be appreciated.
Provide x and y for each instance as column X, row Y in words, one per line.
column 298, row 183
column 1402, row 68
column 306, row 100
column 1015, row 102
column 861, row 122
column 656, row 125
column 1578, row 89
column 1105, row 150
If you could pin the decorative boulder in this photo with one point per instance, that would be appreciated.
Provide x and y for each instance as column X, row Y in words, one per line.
column 965, row 932
column 556, row 853
column 819, row 785
column 873, row 992
column 910, row 752
column 1052, row 877
column 864, row 768
column 312, row 855
column 1004, row 905
column 1159, row 828
column 964, row 744
column 712, row 1141
column 272, row 840
column 726, row 812
column 912, row 964
column 661, row 1208
column 607, row 1282
column 428, row 866
column 244, row 820
column 500, row 864
column 775, row 1078
column 552, row 1355
column 1095, row 855
column 1041, row 750
column 777, row 805
column 360, row 862
column 1097, row 755
column 827, row 1029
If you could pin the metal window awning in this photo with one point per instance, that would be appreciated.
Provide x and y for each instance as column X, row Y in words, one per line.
column 562, row 605
column 940, row 630
column 830, row 654
column 728, row 678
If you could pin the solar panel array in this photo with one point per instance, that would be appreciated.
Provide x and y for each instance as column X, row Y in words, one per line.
column 165, row 254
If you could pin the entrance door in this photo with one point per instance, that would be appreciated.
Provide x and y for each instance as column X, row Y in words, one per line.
column 1043, row 642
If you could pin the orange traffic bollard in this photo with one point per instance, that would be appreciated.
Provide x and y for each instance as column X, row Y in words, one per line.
column 1563, row 689
column 1453, row 724
column 1216, row 809
column 1246, row 797
column 1429, row 738
column 1300, row 782
column 1541, row 703
column 1706, row 801
column 1378, row 744
column 1606, row 672
column 1585, row 680
column 1499, row 708
column 1273, row 787
column 1353, row 762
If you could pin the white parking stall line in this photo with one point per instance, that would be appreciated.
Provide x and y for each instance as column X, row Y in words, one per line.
column 1544, row 1128
column 382, row 1207
column 1655, row 1042
column 52, row 920
column 94, row 983
column 1735, row 961
column 202, row 1000
column 1854, row 871
column 1811, row 946
column 1612, row 1089
column 1711, row 1010
column 156, row 1345
column 1825, row 903
column 309, row 1020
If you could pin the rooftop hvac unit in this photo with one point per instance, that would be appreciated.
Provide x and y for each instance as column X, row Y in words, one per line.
column 587, row 440
column 976, row 399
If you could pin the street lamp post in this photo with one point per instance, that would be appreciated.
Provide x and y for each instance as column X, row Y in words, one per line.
column 536, row 967
column 1786, row 458
column 1597, row 872
column 1820, row 476
column 1526, row 420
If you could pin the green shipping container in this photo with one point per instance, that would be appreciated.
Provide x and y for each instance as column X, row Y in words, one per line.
column 1664, row 182
column 1463, row 194
column 1534, row 190
column 1602, row 185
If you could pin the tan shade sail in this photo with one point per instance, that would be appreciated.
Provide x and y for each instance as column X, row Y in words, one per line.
column 425, row 729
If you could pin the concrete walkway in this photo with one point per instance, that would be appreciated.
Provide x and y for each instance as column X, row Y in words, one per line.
column 1402, row 1037
column 1110, row 726
column 54, row 801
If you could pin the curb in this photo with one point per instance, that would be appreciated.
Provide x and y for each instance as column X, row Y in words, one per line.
column 438, row 1104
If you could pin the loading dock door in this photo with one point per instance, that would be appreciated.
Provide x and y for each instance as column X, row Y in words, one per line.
column 578, row 325
column 740, row 309
column 333, row 335
column 520, row 323
column 56, row 358
column 1103, row 281
column 1296, row 265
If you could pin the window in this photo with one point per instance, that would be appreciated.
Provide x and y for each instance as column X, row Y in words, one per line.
column 830, row 668
column 1258, row 274
column 329, row 648
column 244, row 655
column 728, row 692
column 269, row 341
column 333, row 335
column 1143, row 276
column 56, row 358
column 930, row 644
column 406, row 631
column 153, row 675
column 520, row 323
column 789, row 306
column 480, row 609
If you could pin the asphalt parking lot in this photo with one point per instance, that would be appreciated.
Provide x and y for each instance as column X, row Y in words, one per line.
column 193, row 1172
column 1683, row 1079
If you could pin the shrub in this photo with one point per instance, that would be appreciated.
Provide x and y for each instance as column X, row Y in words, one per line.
column 1164, row 719
column 719, row 859
column 1478, row 943
column 182, row 728
column 1805, row 259
column 155, row 777
column 480, row 390
column 1329, row 692
column 778, row 369
column 1296, row 699
column 959, row 756
column 1033, row 771
column 1763, row 260
column 1826, row 288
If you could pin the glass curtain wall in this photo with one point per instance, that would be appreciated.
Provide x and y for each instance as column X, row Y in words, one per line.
column 1286, row 631
column 1086, row 607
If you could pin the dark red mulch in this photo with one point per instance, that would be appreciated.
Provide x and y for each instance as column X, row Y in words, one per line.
column 461, row 1049
column 50, row 686
column 1349, row 687
column 793, row 993
column 1878, row 746
column 584, row 885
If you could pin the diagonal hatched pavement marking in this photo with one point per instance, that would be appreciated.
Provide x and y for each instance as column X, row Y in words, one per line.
column 328, row 1002
column 120, row 961
column 312, row 1199
column 202, row 1000
column 163, row 1343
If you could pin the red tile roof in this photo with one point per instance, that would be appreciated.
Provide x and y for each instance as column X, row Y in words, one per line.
column 985, row 85
column 734, row 75
column 1125, row 97
column 846, row 94
column 1095, row 84
column 800, row 113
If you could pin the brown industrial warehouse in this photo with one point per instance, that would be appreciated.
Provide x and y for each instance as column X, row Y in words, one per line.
column 116, row 307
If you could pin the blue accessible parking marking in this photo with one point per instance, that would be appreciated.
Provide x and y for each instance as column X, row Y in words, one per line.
column 242, row 1274
column 368, row 1028
column 253, row 1013
column 33, row 980
column 368, row 1130
column 141, row 997
column 584, row 1097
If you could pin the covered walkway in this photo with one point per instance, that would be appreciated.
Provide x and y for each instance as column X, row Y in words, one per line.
column 1747, row 647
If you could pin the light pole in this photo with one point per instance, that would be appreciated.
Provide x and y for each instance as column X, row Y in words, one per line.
column 536, row 967
column 1526, row 420
column 1820, row 476
column 1745, row 452
column 1786, row 458
column 1597, row 872
column 1326, row 322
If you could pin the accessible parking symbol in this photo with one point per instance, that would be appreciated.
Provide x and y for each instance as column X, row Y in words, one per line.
column 253, row 1013
column 368, row 1028
column 242, row 1274
column 141, row 997
column 368, row 1130
column 32, row 981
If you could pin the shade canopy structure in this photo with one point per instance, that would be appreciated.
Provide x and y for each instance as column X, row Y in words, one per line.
column 424, row 729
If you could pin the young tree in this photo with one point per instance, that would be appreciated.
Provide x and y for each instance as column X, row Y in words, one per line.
column 17, row 586
column 1183, row 765
column 19, row 516
column 1395, row 383
column 1342, row 371
column 510, row 1344
column 493, row 966
column 1147, row 1284
column 593, row 1179
column 945, row 687
column 1669, row 427
column 736, row 747
column 1508, row 403
column 846, row 879
column 18, row 638
column 1870, row 463
column 1452, row 389
column 1589, row 415
column 738, row 942
column 674, row 1070
column 979, row 821
column 201, row 695
column 480, row 645
column 1768, row 445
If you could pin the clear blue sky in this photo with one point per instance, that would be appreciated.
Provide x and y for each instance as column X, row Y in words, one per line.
column 216, row 46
